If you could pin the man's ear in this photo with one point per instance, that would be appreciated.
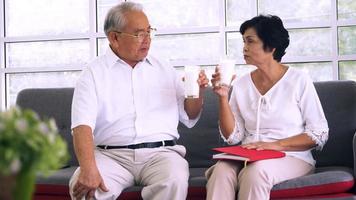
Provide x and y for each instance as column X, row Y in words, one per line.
column 112, row 37
column 113, row 40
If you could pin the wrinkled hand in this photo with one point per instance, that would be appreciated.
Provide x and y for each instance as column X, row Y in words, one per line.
column 263, row 146
column 88, row 182
column 220, row 89
column 203, row 80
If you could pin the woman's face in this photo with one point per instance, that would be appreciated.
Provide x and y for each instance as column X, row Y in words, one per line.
column 253, row 51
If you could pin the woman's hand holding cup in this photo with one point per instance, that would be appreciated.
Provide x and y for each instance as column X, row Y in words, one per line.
column 219, row 88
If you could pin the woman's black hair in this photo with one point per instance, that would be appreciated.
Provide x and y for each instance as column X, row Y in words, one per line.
column 270, row 30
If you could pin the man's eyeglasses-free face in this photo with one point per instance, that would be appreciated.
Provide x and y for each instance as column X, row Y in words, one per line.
column 140, row 36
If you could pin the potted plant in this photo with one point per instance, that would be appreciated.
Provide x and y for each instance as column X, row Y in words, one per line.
column 28, row 146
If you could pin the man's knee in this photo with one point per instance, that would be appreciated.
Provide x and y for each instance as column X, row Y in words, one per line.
column 115, row 187
column 176, row 175
column 179, row 176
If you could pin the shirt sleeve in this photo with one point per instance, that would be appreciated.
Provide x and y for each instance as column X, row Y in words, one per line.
column 183, row 116
column 84, row 104
column 316, row 125
column 239, row 131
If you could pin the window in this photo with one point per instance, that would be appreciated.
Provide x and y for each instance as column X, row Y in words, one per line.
column 46, row 43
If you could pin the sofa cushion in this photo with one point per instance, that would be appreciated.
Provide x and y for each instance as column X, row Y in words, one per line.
column 324, row 181
column 197, row 177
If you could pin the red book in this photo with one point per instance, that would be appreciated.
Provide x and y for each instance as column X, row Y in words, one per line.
column 239, row 153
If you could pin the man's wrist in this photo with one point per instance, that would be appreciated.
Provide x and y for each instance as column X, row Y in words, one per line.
column 223, row 99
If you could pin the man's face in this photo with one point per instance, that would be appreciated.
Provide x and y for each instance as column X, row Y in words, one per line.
column 129, row 48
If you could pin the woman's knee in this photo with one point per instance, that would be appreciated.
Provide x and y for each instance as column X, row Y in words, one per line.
column 224, row 170
column 255, row 175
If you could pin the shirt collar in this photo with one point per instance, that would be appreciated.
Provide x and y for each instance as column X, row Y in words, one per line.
column 111, row 58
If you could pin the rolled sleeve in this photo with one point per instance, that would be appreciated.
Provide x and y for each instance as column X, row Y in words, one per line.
column 84, row 104
column 319, row 136
column 316, row 125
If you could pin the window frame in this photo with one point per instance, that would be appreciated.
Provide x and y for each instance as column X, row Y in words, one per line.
column 222, row 29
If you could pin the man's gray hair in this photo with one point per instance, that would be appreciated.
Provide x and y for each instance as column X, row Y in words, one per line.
column 116, row 19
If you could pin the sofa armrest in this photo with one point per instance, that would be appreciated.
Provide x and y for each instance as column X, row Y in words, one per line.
column 354, row 152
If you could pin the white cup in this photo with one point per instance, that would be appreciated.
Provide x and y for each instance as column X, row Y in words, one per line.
column 227, row 70
column 191, row 76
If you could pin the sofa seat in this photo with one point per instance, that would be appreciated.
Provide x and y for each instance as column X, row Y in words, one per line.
column 328, row 180
column 324, row 181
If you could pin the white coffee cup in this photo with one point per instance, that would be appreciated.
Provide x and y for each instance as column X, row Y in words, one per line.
column 191, row 76
column 227, row 70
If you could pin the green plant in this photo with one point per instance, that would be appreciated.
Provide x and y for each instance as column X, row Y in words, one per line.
column 29, row 145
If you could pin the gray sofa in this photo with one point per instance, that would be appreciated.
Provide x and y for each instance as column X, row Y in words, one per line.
column 333, row 178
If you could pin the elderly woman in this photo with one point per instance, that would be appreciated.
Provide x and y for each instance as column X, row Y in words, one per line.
column 274, row 107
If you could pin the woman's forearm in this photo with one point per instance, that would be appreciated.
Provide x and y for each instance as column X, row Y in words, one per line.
column 226, row 118
column 299, row 142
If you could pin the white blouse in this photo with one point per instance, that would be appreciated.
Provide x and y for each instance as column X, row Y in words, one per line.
column 289, row 108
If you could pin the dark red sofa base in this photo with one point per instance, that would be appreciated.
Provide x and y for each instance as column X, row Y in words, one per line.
column 325, row 189
column 61, row 192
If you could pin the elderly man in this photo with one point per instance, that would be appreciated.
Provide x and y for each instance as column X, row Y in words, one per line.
column 125, row 111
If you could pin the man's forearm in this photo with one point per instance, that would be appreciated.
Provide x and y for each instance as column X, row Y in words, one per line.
column 193, row 106
column 84, row 147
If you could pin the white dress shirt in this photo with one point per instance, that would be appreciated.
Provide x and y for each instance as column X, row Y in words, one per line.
column 125, row 105
column 289, row 108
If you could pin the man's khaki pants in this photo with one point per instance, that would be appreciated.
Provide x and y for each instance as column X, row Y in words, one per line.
column 162, row 171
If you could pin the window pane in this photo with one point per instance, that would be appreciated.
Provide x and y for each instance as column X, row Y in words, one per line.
column 179, row 47
column 297, row 10
column 187, row 46
column 347, row 70
column 103, row 44
column 197, row 13
column 346, row 9
column 103, row 8
column 47, row 54
column 235, row 46
column 317, row 71
column 46, row 17
column 303, row 42
column 347, row 40
column 182, row 13
column 309, row 42
column 238, row 12
column 19, row 81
